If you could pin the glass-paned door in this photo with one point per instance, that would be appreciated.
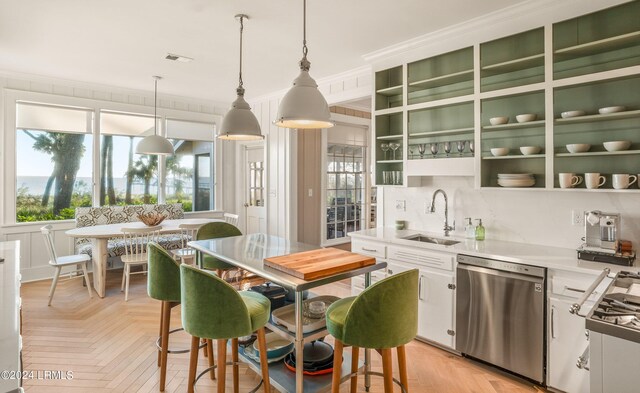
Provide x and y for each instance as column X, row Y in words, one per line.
column 345, row 190
column 202, row 179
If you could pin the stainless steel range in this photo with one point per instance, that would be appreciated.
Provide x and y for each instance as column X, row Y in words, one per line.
column 614, row 338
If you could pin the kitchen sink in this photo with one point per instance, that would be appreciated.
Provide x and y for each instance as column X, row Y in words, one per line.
column 433, row 240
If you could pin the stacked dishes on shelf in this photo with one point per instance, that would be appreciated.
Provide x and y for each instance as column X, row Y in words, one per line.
column 516, row 179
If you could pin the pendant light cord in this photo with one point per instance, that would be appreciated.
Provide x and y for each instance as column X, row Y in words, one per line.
column 240, row 89
column 155, row 106
column 305, row 65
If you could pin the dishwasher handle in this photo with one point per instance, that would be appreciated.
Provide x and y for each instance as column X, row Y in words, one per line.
column 575, row 308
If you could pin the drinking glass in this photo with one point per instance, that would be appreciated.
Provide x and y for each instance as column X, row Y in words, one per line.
column 447, row 147
column 471, row 147
column 385, row 177
column 460, row 146
column 411, row 150
column 434, row 149
column 385, row 148
column 422, row 148
column 394, row 147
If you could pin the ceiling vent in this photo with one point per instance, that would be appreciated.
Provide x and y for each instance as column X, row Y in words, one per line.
column 182, row 59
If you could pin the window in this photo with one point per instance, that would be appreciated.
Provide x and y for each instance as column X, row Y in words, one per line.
column 126, row 178
column 345, row 189
column 72, row 152
column 53, row 161
column 190, row 171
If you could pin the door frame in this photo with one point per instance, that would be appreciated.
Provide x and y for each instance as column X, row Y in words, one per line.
column 241, row 188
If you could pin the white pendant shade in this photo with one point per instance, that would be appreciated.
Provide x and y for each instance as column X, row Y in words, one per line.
column 155, row 144
column 240, row 123
column 304, row 106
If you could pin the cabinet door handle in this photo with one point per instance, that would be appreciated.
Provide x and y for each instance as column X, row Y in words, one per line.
column 420, row 288
column 369, row 249
column 553, row 315
column 573, row 289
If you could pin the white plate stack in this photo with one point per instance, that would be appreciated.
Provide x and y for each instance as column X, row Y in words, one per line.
column 516, row 179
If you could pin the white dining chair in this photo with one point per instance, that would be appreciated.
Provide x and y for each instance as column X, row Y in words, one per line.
column 135, row 252
column 187, row 233
column 231, row 218
column 80, row 260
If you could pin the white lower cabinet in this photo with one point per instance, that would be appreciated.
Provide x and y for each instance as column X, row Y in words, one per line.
column 436, row 295
column 567, row 342
column 435, row 307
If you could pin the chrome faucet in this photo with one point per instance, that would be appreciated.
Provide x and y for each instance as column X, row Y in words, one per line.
column 432, row 209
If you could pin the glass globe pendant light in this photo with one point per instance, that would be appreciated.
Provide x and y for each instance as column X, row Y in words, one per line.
column 304, row 106
column 240, row 123
column 155, row 144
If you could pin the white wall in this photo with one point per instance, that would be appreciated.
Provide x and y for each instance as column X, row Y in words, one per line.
column 530, row 216
column 33, row 253
column 280, row 146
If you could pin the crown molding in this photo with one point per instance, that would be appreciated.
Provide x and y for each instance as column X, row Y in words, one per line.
column 104, row 88
column 523, row 16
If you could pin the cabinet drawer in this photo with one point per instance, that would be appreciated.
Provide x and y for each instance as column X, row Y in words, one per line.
column 357, row 283
column 573, row 285
column 369, row 248
column 427, row 258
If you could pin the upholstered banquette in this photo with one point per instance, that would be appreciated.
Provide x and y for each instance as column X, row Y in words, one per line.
column 89, row 216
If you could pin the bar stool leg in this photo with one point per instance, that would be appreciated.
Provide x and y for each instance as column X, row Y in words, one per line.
column 337, row 366
column 193, row 363
column 164, row 343
column 355, row 352
column 387, row 370
column 402, row 366
column 264, row 366
column 160, row 332
column 222, row 364
column 234, row 359
column 209, row 353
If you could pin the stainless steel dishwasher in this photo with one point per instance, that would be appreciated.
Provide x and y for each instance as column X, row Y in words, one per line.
column 500, row 314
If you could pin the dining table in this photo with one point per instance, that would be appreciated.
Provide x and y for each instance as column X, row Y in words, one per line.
column 100, row 235
column 248, row 252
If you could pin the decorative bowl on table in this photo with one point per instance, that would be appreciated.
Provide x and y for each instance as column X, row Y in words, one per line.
column 151, row 219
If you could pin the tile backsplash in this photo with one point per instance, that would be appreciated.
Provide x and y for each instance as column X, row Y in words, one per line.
column 519, row 215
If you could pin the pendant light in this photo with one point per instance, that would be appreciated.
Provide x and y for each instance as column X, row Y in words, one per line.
column 240, row 123
column 155, row 144
column 304, row 106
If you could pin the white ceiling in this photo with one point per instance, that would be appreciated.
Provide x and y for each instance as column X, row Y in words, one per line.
column 123, row 43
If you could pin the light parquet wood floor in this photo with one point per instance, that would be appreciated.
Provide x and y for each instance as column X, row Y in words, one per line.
column 109, row 346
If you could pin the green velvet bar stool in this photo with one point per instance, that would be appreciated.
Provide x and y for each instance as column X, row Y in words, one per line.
column 163, row 283
column 384, row 316
column 214, row 310
column 214, row 230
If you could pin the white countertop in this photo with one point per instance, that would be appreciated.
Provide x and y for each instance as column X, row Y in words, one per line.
column 530, row 254
column 9, row 314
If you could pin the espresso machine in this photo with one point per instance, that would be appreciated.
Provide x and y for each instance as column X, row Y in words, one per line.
column 602, row 239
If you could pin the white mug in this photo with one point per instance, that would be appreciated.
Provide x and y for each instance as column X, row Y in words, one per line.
column 568, row 180
column 594, row 180
column 622, row 181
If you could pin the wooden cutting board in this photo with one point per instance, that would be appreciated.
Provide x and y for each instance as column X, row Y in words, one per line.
column 314, row 264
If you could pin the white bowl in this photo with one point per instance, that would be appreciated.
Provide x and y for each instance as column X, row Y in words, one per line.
column 525, row 117
column 578, row 147
column 611, row 109
column 617, row 145
column 500, row 151
column 527, row 150
column 499, row 120
column 572, row 114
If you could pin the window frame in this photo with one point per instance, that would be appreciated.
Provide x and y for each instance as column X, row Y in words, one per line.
column 8, row 154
